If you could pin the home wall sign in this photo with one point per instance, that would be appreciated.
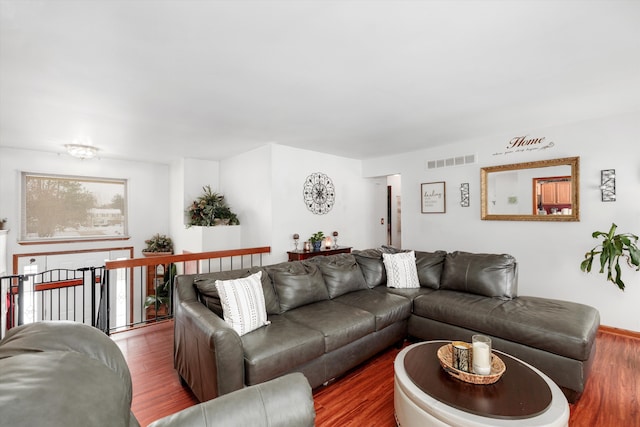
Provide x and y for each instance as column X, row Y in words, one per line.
column 523, row 144
column 433, row 197
column 319, row 193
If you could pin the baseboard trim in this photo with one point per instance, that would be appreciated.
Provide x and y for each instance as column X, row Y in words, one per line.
column 618, row 331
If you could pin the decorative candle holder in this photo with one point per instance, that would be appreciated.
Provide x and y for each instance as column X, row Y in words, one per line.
column 327, row 242
column 481, row 354
column 335, row 239
column 296, row 237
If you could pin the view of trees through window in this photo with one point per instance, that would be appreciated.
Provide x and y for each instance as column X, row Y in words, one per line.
column 64, row 207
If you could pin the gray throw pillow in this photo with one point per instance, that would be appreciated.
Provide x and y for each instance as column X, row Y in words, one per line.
column 297, row 283
column 206, row 286
column 491, row 275
column 429, row 266
column 372, row 266
column 341, row 274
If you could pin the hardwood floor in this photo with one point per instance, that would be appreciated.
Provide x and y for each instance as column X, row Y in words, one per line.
column 364, row 397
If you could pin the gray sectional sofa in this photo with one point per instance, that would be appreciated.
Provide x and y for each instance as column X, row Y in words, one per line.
column 329, row 314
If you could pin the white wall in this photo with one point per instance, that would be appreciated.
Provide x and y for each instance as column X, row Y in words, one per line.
column 198, row 174
column 549, row 253
column 148, row 195
column 354, row 215
column 188, row 177
column 264, row 187
column 247, row 183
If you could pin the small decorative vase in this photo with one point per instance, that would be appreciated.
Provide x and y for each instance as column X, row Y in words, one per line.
column 317, row 246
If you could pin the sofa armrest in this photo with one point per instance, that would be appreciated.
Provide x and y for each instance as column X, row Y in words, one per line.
column 208, row 353
column 283, row 402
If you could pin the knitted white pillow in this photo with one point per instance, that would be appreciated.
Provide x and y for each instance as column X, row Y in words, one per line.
column 401, row 270
column 242, row 301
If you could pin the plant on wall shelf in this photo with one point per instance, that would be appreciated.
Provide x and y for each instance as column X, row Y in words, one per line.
column 612, row 247
column 210, row 209
column 158, row 243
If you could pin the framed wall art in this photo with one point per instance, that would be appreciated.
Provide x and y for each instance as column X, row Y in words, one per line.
column 433, row 196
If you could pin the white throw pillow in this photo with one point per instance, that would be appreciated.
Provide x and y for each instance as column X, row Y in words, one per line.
column 242, row 301
column 401, row 270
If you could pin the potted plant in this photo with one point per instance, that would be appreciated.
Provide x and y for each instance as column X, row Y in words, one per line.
column 158, row 304
column 612, row 247
column 316, row 240
column 158, row 244
column 210, row 209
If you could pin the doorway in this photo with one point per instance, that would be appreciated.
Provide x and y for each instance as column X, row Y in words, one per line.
column 394, row 211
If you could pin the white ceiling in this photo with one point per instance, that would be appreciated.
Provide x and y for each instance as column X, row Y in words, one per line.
column 155, row 80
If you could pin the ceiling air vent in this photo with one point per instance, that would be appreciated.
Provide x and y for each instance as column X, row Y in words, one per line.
column 451, row 161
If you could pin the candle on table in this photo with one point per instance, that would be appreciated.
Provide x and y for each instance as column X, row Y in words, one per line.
column 481, row 354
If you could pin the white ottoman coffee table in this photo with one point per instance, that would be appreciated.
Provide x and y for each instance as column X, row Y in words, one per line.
column 425, row 395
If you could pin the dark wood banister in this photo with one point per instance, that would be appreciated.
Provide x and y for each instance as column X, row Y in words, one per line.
column 196, row 256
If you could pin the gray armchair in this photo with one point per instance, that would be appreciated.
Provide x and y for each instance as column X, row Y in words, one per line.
column 62, row 374
column 283, row 402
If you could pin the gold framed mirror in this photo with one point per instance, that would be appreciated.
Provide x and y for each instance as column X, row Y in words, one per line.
column 546, row 190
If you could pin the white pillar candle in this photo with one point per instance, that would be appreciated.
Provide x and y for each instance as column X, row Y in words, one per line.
column 481, row 358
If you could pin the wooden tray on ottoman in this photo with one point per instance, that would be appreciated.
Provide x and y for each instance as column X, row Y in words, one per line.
column 445, row 355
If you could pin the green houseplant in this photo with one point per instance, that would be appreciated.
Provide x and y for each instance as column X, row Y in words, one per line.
column 210, row 209
column 316, row 240
column 612, row 247
column 162, row 296
column 158, row 243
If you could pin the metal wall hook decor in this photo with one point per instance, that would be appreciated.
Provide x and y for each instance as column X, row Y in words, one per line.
column 464, row 195
column 608, row 185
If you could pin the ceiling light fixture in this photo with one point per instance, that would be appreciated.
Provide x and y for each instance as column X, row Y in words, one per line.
column 81, row 151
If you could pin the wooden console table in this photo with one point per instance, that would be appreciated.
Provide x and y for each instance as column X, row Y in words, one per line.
column 299, row 255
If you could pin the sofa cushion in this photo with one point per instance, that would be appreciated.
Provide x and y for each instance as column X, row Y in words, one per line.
column 339, row 323
column 278, row 348
column 39, row 360
column 341, row 274
column 483, row 274
column 388, row 249
column 60, row 389
column 243, row 303
column 370, row 262
column 401, row 270
column 561, row 327
column 409, row 293
column 208, row 294
column 386, row 307
column 297, row 283
column 429, row 266
column 66, row 336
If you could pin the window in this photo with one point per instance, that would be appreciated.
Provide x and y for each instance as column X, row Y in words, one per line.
column 71, row 208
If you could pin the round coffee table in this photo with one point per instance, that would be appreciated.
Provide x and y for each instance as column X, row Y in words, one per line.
column 425, row 395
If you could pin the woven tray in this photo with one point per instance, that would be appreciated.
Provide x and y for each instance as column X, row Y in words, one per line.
column 445, row 355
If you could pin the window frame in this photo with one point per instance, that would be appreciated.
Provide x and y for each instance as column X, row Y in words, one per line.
column 91, row 186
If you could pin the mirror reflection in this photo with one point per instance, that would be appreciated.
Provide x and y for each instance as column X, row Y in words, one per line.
column 533, row 191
